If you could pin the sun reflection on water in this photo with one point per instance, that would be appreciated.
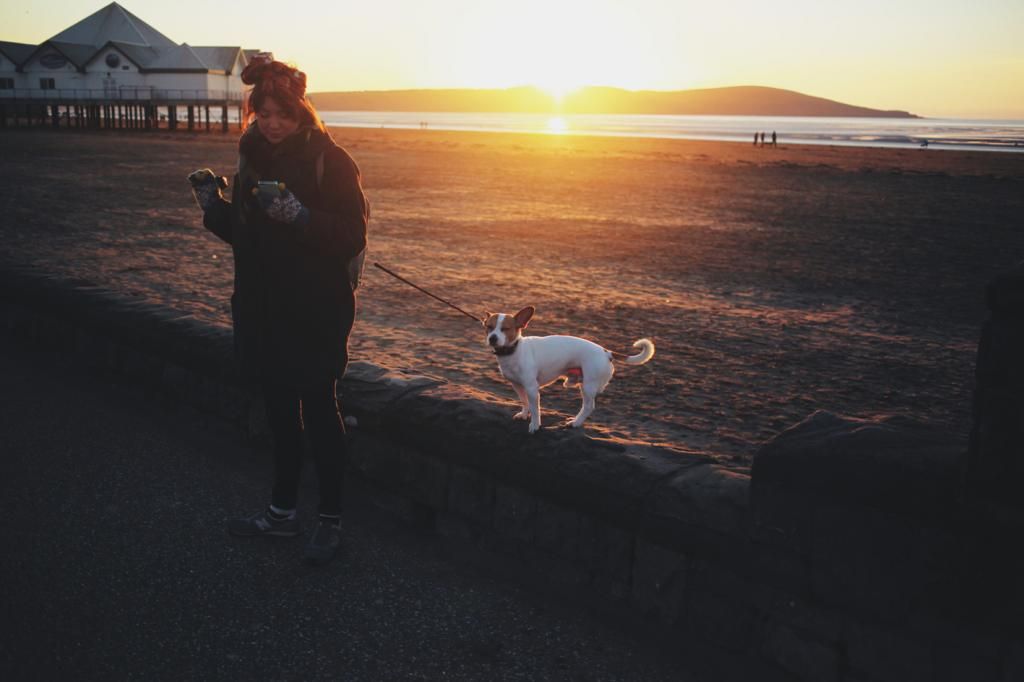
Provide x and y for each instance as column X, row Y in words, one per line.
column 557, row 125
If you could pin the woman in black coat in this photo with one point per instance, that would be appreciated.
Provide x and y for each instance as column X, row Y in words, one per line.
column 296, row 223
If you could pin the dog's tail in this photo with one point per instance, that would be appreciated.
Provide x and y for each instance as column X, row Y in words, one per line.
column 646, row 347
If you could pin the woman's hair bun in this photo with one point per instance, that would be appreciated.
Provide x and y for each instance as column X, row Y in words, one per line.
column 262, row 67
column 257, row 65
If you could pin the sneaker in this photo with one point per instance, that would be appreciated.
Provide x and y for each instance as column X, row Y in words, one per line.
column 323, row 543
column 261, row 524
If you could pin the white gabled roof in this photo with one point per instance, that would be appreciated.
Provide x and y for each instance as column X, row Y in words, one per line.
column 142, row 56
column 76, row 54
column 218, row 58
column 150, row 50
column 136, row 54
column 16, row 52
column 113, row 22
column 178, row 58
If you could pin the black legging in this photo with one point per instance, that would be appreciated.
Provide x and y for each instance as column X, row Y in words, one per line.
column 313, row 409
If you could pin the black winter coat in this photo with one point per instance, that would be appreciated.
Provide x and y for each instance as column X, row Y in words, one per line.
column 293, row 306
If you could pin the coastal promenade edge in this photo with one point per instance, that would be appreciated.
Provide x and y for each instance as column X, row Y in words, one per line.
column 849, row 553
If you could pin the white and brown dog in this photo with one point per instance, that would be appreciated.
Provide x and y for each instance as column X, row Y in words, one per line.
column 531, row 362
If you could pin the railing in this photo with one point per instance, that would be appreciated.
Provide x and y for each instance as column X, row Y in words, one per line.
column 121, row 94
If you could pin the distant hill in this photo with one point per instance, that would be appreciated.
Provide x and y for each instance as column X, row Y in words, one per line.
column 735, row 101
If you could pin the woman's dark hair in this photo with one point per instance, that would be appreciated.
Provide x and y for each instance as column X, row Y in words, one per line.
column 285, row 84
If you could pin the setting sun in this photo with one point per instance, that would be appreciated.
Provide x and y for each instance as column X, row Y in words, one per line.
column 557, row 89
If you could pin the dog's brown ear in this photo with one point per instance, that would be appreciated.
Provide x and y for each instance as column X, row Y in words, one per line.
column 523, row 316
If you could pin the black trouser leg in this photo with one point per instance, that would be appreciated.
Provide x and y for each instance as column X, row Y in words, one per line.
column 284, row 415
column 326, row 434
column 314, row 409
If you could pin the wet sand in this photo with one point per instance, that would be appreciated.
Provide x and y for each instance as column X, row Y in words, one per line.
column 774, row 281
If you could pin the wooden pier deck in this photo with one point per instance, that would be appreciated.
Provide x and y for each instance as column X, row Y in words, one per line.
column 134, row 109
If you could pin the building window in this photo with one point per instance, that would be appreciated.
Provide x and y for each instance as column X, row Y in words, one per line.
column 47, row 84
column 6, row 83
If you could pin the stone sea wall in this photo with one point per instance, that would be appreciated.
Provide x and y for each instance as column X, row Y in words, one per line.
column 851, row 552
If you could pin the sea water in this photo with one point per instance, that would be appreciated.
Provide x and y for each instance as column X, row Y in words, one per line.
column 938, row 133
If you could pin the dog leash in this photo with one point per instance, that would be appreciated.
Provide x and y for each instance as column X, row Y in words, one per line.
column 419, row 288
column 452, row 305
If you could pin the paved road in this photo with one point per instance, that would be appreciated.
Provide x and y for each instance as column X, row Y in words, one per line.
column 115, row 565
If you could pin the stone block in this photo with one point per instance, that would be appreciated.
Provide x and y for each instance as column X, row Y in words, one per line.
column 599, row 477
column 553, row 570
column 256, row 424
column 93, row 350
column 704, row 496
column 515, row 513
column 1013, row 663
column 607, row 550
column 659, row 581
column 806, row 657
column 424, row 479
column 456, row 527
column 954, row 663
column 558, row 530
column 361, row 447
column 174, row 381
column 404, row 471
column 614, row 590
column 205, row 393
column 879, row 564
column 891, row 464
column 379, row 461
column 885, row 653
column 719, row 620
column 995, row 463
column 781, row 568
column 7, row 315
column 471, row 494
column 781, row 517
column 233, row 402
column 802, row 615
column 52, row 332
column 408, row 511
column 139, row 366
column 19, row 322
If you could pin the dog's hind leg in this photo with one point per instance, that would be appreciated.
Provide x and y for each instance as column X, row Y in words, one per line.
column 589, row 393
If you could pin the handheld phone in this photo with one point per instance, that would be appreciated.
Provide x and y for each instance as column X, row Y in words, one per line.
column 270, row 188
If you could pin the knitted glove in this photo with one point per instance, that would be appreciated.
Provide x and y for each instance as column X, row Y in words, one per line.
column 285, row 208
column 206, row 187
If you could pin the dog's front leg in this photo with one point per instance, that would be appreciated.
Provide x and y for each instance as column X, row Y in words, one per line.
column 533, row 400
column 525, row 412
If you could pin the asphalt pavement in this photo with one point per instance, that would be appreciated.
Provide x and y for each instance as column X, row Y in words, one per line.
column 115, row 564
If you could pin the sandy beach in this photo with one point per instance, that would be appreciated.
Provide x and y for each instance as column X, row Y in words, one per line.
column 774, row 281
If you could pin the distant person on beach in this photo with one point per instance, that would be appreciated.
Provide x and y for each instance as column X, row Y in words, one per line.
column 774, row 140
column 296, row 222
column 755, row 139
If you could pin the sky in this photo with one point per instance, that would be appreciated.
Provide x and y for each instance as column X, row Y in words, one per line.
column 936, row 58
